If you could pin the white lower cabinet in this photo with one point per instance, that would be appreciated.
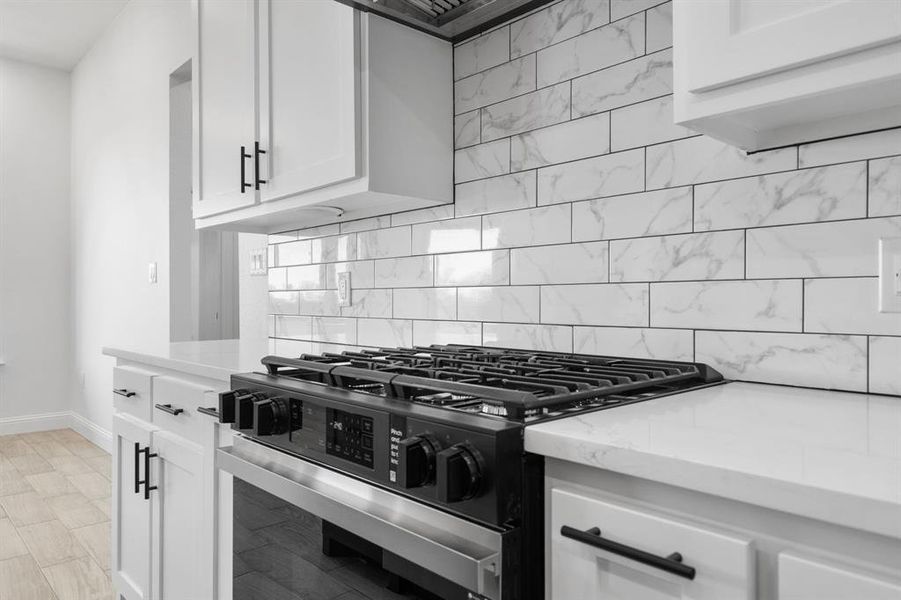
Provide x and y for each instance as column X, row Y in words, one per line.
column 803, row 578
column 603, row 549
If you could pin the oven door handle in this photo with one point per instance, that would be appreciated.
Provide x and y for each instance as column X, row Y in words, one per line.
column 459, row 550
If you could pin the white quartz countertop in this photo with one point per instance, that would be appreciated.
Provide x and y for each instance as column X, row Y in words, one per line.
column 218, row 359
column 831, row 456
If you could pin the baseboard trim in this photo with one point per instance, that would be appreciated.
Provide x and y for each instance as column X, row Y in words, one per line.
column 59, row 420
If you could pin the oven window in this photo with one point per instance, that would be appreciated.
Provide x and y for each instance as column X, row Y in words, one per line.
column 284, row 553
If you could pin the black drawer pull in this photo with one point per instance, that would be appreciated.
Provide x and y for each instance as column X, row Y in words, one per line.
column 256, row 165
column 124, row 392
column 137, row 468
column 146, row 481
column 244, row 185
column 168, row 408
column 592, row 537
column 208, row 411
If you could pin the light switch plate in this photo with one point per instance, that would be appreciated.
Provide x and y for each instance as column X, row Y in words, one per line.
column 258, row 261
column 890, row 275
column 344, row 288
column 151, row 273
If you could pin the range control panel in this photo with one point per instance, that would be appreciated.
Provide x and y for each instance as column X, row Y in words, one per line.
column 349, row 436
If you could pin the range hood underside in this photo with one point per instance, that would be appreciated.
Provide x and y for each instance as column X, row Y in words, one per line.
column 451, row 20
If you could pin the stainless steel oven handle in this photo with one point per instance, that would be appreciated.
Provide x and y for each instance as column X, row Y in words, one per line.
column 456, row 549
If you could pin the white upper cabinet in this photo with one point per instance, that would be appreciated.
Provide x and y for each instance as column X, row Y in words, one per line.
column 224, row 105
column 343, row 115
column 764, row 73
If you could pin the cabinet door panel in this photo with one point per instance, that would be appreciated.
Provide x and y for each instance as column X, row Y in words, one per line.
column 804, row 579
column 179, row 550
column 309, row 95
column 131, row 513
column 724, row 564
column 224, row 104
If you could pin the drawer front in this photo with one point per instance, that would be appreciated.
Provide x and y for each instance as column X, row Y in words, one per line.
column 175, row 404
column 723, row 565
column 805, row 579
column 133, row 391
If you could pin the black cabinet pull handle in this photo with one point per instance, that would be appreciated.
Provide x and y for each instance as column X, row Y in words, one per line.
column 146, row 481
column 124, row 392
column 244, row 155
column 256, row 165
column 592, row 537
column 168, row 408
column 208, row 411
column 137, row 468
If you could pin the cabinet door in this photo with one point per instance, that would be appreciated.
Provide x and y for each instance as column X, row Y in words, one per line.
column 805, row 579
column 180, row 556
column 309, row 95
column 743, row 39
column 224, row 105
column 131, row 513
column 723, row 564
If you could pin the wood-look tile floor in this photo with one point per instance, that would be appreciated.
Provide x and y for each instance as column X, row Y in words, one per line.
column 54, row 517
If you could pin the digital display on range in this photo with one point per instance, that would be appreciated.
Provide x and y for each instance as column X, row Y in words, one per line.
column 349, row 436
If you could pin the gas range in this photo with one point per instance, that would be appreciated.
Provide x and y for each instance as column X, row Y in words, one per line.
column 442, row 427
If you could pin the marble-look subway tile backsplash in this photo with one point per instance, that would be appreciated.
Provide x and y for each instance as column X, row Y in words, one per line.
column 586, row 221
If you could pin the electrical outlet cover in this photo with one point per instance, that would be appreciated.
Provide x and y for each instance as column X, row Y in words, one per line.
column 344, row 289
column 890, row 275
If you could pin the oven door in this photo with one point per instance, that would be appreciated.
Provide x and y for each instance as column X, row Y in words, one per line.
column 299, row 527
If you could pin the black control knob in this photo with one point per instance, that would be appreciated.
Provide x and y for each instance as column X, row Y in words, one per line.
column 416, row 461
column 459, row 473
column 244, row 409
column 227, row 405
column 270, row 417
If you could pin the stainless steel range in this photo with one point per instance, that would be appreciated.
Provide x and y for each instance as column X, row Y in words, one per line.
column 411, row 460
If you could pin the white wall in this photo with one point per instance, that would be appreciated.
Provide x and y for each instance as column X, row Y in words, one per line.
column 34, row 241
column 120, row 191
column 253, row 300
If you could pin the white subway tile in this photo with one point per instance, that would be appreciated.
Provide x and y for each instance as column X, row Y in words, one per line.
column 545, row 107
column 606, row 175
column 823, row 194
column 546, row 225
column 368, row 303
column 315, row 232
column 336, row 330
column 387, row 333
column 318, row 303
column 425, row 303
column 482, row 53
column 278, row 278
column 633, row 215
column 635, row 342
column 413, row 271
column 568, row 263
column 467, row 129
column 885, row 187
column 496, row 194
column 362, row 274
column 334, row 248
column 622, row 8
column 561, row 143
column 551, row 338
column 306, row 277
column 750, row 305
column 473, row 268
column 279, row 238
column 505, row 303
column 456, row 235
column 718, row 255
column 660, row 27
column 858, row 147
column 645, row 123
column 495, row 85
column 299, row 328
column 423, row 215
column 822, row 361
column 556, row 23
column 384, row 243
column 840, row 249
column 589, row 52
column 484, row 160
column 290, row 348
column 292, row 253
column 702, row 159
column 847, row 306
column 366, row 224
column 601, row 304
column 283, row 303
column 640, row 79
column 446, row 332
column 885, row 358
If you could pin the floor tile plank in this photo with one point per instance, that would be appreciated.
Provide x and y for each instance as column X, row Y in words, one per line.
column 51, row 543
column 21, row 579
column 96, row 540
column 50, row 484
column 10, row 543
column 74, row 510
column 70, row 465
column 26, row 509
column 92, row 485
column 78, row 579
